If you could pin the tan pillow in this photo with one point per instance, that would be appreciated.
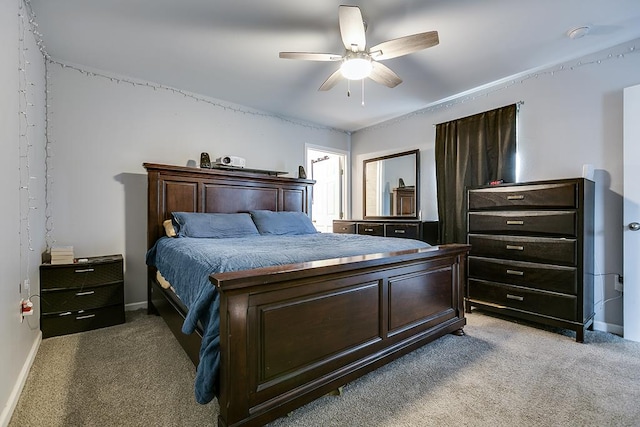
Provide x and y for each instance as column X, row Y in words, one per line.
column 168, row 228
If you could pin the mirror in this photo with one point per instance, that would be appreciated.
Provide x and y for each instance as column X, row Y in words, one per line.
column 391, row 186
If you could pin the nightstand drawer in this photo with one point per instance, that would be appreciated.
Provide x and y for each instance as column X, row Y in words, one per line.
column 546, row 277
column 556, row 223
column 540, row 302
column 82, row 299
column 77, row 321
column 371, row 229
column 105, row 270
column 553, row 196
column 534, row 249
column 407, row 231
column 344, row 227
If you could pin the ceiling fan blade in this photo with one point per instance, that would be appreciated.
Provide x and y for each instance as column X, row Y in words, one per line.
column 404, row 45
column 352, row 28
column 384, row 75
column 309, row 56
column 331, row 81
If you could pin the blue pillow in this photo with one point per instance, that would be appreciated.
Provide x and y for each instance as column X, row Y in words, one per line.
column 214, row 225
column 283, row 223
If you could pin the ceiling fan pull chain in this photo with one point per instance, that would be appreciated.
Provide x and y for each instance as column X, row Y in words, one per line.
column 348, row 88
column 362, row 92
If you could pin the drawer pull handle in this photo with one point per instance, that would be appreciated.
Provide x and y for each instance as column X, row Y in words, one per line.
column 399, row 231
column 515, row 272
column 515, row 297
column 81, row 294
column 515, row 197
column 368, row 229
column 513, row 222
column 86, row 316
column 344, row 228
column 85, row 270
column 515, row 248
column 64, row 314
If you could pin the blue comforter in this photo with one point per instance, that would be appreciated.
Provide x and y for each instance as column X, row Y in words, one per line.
column 187, row 263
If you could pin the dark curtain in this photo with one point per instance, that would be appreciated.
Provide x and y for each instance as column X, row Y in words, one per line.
column 472, row 151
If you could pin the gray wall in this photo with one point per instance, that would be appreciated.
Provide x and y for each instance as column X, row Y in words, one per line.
column 572, row 115
column 22, row 213
column 102, row 131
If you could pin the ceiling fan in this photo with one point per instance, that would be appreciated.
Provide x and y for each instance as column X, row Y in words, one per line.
column 358, row 62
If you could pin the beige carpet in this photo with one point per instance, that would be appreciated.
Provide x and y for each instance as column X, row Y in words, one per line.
column 500, row 374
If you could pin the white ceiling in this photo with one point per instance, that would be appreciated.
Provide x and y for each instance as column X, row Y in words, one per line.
column 228, row 49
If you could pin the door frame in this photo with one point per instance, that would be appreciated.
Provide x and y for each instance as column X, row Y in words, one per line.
column 346, row 175
column 631, row 213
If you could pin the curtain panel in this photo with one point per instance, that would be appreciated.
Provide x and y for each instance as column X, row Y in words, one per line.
column 472, row 151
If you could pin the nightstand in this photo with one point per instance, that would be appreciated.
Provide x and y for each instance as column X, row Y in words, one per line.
column 81, row 296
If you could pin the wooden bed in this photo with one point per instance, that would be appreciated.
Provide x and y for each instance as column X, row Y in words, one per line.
column 290, row 334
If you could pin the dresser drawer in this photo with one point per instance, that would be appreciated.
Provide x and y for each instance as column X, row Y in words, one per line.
column 557, row 223
column 547, row 277
column 77, row 321
column 81, row 274
column 344, row 227
column 559, row 195
column 520, row 298
column 82, row 299
column 408, row 231
column 371, row 229
column 535, row 249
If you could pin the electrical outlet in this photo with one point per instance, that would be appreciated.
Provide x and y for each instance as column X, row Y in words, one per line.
column 26, row 308
column 618, row 285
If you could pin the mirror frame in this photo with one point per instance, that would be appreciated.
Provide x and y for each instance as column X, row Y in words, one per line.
column 417, row 185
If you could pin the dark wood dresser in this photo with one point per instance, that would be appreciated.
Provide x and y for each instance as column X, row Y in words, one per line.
column 81, row 296
column 532, row 251
column 403, row 200
column 409, row 229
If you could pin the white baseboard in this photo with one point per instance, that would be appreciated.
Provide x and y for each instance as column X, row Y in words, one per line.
column 608, row 327
column 135, row 306
column 6, row 414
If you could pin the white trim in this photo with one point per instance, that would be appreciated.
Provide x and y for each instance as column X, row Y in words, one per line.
column 7, row 412
column 135, row 306
column 607, row 327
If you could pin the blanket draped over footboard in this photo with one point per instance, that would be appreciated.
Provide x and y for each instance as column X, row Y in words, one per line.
column 186, row 263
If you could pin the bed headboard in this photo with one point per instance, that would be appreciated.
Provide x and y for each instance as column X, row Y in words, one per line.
column 187, row 189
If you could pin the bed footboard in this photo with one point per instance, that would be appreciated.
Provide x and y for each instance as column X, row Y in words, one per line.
column 289, row 336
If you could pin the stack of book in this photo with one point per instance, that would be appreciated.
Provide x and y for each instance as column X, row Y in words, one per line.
column 62, row 255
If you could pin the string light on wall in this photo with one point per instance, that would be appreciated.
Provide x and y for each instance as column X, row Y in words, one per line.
column 28, row 202
column 49, row 240
column 28, row 19
column 189, row 95
column 620, row 53
column 48, row 215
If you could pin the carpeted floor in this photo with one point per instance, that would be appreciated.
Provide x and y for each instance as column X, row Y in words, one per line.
column 500, row 374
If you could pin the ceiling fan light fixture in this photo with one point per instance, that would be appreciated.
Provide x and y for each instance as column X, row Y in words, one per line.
column 356, row 68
